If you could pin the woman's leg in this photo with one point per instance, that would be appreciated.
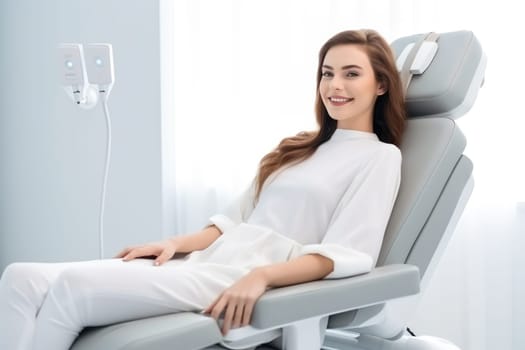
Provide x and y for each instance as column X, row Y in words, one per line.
column 23, row 288
column 101, row 294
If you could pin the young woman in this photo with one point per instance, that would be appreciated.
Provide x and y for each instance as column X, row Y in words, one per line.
column 318, row 208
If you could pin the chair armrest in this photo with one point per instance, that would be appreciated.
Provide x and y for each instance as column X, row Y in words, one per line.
column 294, row 303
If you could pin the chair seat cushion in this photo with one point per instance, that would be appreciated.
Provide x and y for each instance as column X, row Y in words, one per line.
column 181, row 331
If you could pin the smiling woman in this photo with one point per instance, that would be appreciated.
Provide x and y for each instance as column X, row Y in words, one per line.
column 349, row 88
column 356, row 72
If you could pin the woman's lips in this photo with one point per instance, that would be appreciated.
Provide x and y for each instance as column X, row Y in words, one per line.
column 339, row 100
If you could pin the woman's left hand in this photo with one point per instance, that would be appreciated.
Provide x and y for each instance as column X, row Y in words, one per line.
column 237, row 301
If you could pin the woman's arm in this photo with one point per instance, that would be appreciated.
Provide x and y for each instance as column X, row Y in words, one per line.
column 165, row 250
column 237, row 302
column 197, row 241
column 299, row 270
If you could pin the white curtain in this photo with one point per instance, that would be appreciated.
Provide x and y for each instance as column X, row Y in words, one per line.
column 242, row 77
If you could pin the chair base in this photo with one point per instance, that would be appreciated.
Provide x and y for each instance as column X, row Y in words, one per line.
column 366, row 342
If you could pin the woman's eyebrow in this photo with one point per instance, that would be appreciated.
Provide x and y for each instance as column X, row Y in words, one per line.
column 343, row 67
column 351, row 66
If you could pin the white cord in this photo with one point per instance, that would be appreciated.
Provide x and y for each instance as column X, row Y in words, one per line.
column 105, row 181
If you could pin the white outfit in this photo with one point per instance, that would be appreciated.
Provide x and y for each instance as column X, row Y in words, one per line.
column 336, row 203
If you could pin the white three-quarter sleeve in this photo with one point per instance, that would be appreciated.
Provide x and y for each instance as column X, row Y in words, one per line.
column 237, row 212
column 355, row 232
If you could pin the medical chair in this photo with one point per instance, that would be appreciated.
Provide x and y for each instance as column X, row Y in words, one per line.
column 369, row 311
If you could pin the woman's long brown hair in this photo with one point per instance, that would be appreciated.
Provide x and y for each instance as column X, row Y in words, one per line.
column 389, row 109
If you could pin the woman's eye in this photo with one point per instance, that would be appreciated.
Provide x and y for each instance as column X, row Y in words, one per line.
column 326, row 74
column 352, row 74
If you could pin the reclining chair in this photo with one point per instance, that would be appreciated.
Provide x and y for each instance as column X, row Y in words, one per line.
column 368, row 311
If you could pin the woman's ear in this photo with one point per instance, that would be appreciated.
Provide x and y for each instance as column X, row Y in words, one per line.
column 381, row 89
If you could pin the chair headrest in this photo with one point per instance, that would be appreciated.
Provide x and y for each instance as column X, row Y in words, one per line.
column 449, row 85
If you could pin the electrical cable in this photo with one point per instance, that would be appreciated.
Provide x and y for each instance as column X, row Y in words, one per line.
column 106, row 172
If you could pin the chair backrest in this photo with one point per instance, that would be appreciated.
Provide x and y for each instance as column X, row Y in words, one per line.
column 435, row 173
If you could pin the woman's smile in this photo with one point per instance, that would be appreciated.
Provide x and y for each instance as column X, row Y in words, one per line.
column 339, row 100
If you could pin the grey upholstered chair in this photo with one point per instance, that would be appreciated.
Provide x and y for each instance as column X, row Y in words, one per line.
column 369, row 311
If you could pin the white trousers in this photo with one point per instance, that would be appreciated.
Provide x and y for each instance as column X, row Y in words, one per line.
column 44, row 306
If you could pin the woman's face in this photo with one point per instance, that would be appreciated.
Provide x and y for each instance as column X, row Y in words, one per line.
column 348, row 87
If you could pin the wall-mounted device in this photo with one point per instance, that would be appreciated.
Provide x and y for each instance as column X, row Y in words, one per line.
column 73, row 75
column 87, row 73
column 99, row 65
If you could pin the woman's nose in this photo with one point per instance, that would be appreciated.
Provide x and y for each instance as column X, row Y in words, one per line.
column 336, row 83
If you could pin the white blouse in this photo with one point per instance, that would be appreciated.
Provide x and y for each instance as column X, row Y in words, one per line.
column 336, row 203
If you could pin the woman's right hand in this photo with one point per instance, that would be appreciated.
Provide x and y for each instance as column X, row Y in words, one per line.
column 162, row 250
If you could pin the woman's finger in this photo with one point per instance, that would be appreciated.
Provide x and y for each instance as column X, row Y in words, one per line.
column 238, row 316
column 123, row 253
column 164, row 256
column 228, row 317
column 138, row 252
column 212, row 305
column 218, row 308
column 247, row 313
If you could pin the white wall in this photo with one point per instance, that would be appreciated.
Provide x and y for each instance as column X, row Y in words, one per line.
column 52, row 153
column 475, row 297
